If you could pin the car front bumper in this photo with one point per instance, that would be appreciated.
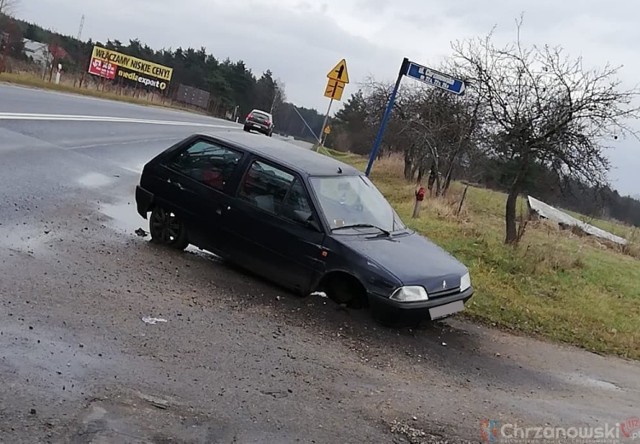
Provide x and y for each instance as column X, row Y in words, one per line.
column 389, row 309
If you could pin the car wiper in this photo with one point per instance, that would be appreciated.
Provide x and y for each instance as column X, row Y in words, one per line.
column 344, row 227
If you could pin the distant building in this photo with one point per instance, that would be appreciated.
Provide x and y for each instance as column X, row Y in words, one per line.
column 44, row 53
column 37, row 51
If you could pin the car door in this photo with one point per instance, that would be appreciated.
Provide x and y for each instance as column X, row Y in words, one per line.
column 198, row 178
column 271, row 226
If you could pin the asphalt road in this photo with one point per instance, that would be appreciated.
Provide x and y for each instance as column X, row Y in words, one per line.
column 238, row 360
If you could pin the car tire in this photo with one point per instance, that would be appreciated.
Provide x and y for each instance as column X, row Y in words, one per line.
column 246, row 128
column 167, row 229
column 345, row 292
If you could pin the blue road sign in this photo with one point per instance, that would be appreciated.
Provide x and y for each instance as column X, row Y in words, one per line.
column 435, row 78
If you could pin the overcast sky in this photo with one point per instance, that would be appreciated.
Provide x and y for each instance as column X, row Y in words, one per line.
column 300, row 40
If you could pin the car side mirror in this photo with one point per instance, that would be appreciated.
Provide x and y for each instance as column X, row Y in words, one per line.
column 306, row 219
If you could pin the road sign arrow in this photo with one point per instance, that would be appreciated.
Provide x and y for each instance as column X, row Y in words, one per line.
column 339, row 72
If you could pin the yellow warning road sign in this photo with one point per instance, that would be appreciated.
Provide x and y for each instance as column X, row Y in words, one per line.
column 327, row 130
column 339, row 72
column 334, row 89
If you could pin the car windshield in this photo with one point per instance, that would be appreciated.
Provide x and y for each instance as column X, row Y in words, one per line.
column 353, row 201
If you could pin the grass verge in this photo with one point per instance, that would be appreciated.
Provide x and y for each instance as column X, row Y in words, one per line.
column 30, row 80
column 556, row 285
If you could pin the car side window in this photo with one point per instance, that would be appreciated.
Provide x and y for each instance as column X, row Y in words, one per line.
column 208, row 163
column 266, row 186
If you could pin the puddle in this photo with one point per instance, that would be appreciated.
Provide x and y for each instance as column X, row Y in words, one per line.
column 95, row 180
column 142, row 419
column 124, row 217
column 136, row 169
column 26, row 243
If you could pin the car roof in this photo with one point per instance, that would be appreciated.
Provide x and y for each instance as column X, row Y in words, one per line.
column 301, row 160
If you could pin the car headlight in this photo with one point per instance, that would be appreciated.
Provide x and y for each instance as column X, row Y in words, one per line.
column 465, row 282
column 410, row 294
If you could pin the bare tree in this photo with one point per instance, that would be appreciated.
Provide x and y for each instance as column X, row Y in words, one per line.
column 446, row 127
column 8, row 7
column 376, row 96
column 546, row 109
column 431, row 128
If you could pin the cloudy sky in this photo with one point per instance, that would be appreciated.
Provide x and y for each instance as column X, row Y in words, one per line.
column 300, row 40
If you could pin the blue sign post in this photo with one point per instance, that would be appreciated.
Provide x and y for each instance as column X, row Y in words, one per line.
column 423, row 74
column 386, row 115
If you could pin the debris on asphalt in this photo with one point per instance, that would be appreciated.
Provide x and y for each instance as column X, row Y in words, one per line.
column 444, row 344
column 152, row 321
column 140, row 232
column 275, row 393
column 322, row 294
column 155, row 401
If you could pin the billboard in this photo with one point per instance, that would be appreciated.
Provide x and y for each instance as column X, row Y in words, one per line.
column 111, row 65
column 193, row 96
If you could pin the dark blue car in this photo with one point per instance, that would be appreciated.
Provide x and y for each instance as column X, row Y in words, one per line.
column 301, row 219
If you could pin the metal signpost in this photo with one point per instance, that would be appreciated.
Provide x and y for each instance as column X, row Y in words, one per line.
column 423, row 74
column 338, row 79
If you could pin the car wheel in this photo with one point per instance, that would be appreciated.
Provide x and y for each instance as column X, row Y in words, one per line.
column 167, row 229
column 346, row 291
column 246, row 128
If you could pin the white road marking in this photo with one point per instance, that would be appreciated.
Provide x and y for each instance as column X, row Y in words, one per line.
column 81, row 118
column 120, row 143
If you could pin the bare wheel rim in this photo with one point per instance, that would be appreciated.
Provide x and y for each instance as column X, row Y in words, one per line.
column 165, row 225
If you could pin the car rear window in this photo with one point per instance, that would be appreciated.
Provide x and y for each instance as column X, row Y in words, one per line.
column 208, row 163
column 261, row 115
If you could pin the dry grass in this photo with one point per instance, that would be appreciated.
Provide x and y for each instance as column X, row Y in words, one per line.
column 556, row 284
column 70, row 86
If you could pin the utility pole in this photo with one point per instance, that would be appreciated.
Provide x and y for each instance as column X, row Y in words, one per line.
column 323, row 135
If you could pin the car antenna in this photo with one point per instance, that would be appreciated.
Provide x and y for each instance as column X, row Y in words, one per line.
column 339, row 170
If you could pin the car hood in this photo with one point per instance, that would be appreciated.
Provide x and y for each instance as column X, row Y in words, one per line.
column 412, row 258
